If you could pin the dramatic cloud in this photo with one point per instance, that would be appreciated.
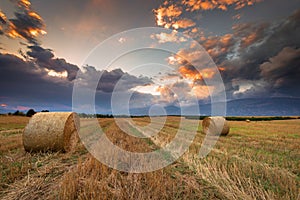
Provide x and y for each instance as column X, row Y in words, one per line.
column 245, row 63
column 190, row 72
column 249, row 33
column 183, row 23
column 166, row 11
column 278, row 44
column 282, row 71
column 240, row 55
column 171, row 37
column 29, row 81
column 111, row 80
column 27, row 24
column 193, row 5
column 255, row 59
column 169, row 15
column 23, row 81
column 182, row 92
column 44, row 58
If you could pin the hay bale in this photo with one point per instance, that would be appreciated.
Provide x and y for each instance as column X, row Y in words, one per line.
column 248, row 120
column 213, row 126
column 52, row 131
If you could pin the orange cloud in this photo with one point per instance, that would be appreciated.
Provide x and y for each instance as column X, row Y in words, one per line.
column 3, row 105
column 210, row 42
column 226, row 40
column 202, row 91
column 190, row 73
column 166, row 12
column 207, row 73
column 11, row 32
column 249, row 39
column 218, row 45
column 183, row 23
column 218, row 42
column 193, row 74
column 166, row 93
column 27, row 25
column 187, row 84
column 24, row 3
column 222, row 69
column 3, row 18
column 249, row 34
column 34, row 15
column 26, row 33
column 206, row 5
column 168, row 15
column 193, row 5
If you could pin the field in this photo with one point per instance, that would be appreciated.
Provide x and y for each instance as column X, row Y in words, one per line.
column 257, row 160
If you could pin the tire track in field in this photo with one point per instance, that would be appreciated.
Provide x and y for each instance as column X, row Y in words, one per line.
column 213, row 171
column 187, row 178
column 283, row 170
column 206, row 174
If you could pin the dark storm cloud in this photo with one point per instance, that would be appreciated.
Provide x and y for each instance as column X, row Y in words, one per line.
column 241, row 54
column 244, row 63
column 28, row 82
column 40, row 53
column 278, row 36
column 282, row 71
column 24, row 82
column 45, row 59
column 111, row 80
column 249, row 33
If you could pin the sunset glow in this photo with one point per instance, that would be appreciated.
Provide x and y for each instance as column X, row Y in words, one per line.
column 239, row 46
column 53, row 73
column 150, row 99
column 194, row 74
column 34, row 15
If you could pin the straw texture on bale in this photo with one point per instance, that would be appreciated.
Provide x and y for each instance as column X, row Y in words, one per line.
column 215, row 126
column 52, row 131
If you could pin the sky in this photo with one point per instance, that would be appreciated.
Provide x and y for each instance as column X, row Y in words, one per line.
column 47, row 47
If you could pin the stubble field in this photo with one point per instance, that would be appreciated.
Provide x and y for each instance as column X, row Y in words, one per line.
column 257, row 160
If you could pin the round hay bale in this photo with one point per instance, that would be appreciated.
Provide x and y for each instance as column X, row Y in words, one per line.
column 51, row 131
column 248, row 120
column 215, row 126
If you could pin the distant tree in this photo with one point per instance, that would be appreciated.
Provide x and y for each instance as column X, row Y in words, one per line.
column 30, row 113
column 45, row 111
column 83, row 115
column 18, row 113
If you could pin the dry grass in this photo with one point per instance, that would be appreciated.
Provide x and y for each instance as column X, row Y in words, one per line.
column 93, row 180
column 13, row 122
column 257, row 160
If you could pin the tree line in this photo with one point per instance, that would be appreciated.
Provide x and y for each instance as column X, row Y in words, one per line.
column 29, row 113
